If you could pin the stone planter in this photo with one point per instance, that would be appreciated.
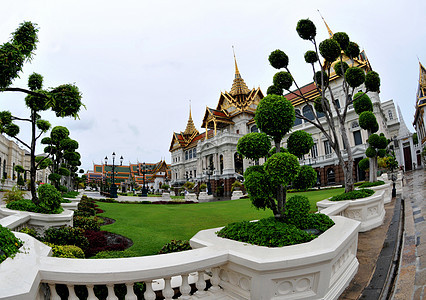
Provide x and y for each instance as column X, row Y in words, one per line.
column 191, row 197
column 236, row 194
column 204, row 197
column 166, row 196
column 41, row 222
column 370, row 211
column 319, row 269
column 71, row 206
column 387, row 188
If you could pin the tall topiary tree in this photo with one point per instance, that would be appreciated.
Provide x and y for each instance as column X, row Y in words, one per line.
column 267, row 184
column 351, row 78
column 64, row 100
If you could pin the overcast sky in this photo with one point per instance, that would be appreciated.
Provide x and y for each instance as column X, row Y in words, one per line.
column 139, row 63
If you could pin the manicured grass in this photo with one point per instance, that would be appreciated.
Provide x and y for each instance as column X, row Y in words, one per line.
column 150, row 226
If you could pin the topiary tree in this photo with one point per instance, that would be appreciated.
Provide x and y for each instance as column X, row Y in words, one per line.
column 20, row 169
column 64, row 100
column 336, row 52
column 267, row 184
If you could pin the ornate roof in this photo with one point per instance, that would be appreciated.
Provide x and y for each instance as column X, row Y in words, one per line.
column 190, row 127
column 421, row 93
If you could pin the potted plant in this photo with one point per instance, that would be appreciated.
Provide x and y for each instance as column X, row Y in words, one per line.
column 203, row 187
column 236, row 186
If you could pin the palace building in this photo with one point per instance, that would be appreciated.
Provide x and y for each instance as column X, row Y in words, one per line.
column 212, row 156
column 156, row 174
column 420, row 114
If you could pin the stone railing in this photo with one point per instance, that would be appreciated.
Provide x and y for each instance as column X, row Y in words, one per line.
column 15, row 220
column 320, row 269
column 370, row 211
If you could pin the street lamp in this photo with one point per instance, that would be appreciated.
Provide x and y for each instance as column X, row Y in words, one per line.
column 113, row 190
column 144, row 189
column 209, row 172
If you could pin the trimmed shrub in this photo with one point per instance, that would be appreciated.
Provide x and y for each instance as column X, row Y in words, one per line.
column 9, row 244
column 278, row 59
column 306, row 29
column 367, row 120
column 372, row 81
column 318, row 221
column 355, row 76
column 30, row 231
column 175, row 246
column 98, row 242
column 370, row 184
column 370, row 152
column 318, row 105
column 353, row 195
column 305, row 178
column 273, row 90
column 338, row 68
column 297, row 207
column 66, row 251
column 66, row 235
column 362, row 103
column 342, row 39
column 317, row 78
column 254, row 145
column 329, row 49
column 283, row 80
column 364, row 164
column 299, row 143
column 282, row 168
column 352, row 50
column 311, row 57
column 267, row 232
column 50, row 198
column 86, row 223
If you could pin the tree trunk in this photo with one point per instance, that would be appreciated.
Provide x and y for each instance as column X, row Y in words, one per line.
column 33, row 170
column 280, row 192
column 373, row 169
column 349, row 164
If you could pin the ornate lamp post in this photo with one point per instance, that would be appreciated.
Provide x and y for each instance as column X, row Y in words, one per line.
column 113, row 190
column 144, row 189
column 209, row 172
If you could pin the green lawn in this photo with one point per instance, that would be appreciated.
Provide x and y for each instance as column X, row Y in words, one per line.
column 150, row 226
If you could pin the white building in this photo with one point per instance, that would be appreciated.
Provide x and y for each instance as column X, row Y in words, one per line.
column 420, row 114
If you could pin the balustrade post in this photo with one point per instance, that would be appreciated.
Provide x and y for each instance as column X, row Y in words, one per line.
column 71, row 291
column 200, row 284
column 130, row 295
column 111, row 293
column 185, row 288
column 90, row 292
column 53, row 294
column 149, row 293
column 215, row 280
column 168, row 292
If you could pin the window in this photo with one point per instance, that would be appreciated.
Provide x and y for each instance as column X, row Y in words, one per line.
column 195, row 173
column 186, row 155
column 327, row 147
column 297, row 121
column 238, row 131
column 336, row 101
column 314, row 151
column 357, row 137
column 190, row 153
column 194, row 152
column 355, row 124
column 390, row 115
column 308, row 112
column 331, row 177
column 254, row 129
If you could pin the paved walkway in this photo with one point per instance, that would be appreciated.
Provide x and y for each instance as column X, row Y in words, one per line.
column 411, row 280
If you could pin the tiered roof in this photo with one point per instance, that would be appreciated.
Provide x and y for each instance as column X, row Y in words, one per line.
column 421, row 92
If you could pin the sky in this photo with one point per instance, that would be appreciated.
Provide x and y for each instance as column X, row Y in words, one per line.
column 140, row 65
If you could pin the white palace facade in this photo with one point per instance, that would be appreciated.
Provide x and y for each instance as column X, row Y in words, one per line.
column 212, row 155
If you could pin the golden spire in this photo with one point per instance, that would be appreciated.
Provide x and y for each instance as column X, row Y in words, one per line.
column 239, row 87
column 190, row 127
column 328, row 28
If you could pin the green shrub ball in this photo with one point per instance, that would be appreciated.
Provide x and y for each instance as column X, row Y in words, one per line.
column 317, row 78
column 278, row 59
column 273, row 90
column 372, row 81
column 306, row 29
column 283, row 80
column 383, row 142
column 35, row 82
column 354, row 76
column 296, row 210
column 367, row 121
column 299, row 143
column 362, row 103
column 342, row 39
column 318, row 105
column 275, row 116
column 254, row 145
column 381, row 153
column 258, row 186
column 370, row 152
column 329, row 49
column 50, row 198
column 352, row 50
column 364, row 164
column 305, row 179
column 374, row 140
column 338, row 68
column 311, row 57
column 282, row 168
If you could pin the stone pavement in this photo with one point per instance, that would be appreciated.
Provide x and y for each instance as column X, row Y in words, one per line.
column 411, row 280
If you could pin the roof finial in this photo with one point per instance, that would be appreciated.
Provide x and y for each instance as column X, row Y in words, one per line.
column 237, row 72
column 328, row 28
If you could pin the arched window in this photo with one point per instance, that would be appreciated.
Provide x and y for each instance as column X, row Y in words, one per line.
column 390, row 115
column 331, row 177
column 354, row 124
column 297, row 121
column 238, row 163
column 221, row 164
column 254, row 129
column 4, row 169
column 308, row 112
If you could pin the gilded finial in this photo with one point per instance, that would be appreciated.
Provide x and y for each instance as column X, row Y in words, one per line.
column 237, row 72
column 328, row 28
